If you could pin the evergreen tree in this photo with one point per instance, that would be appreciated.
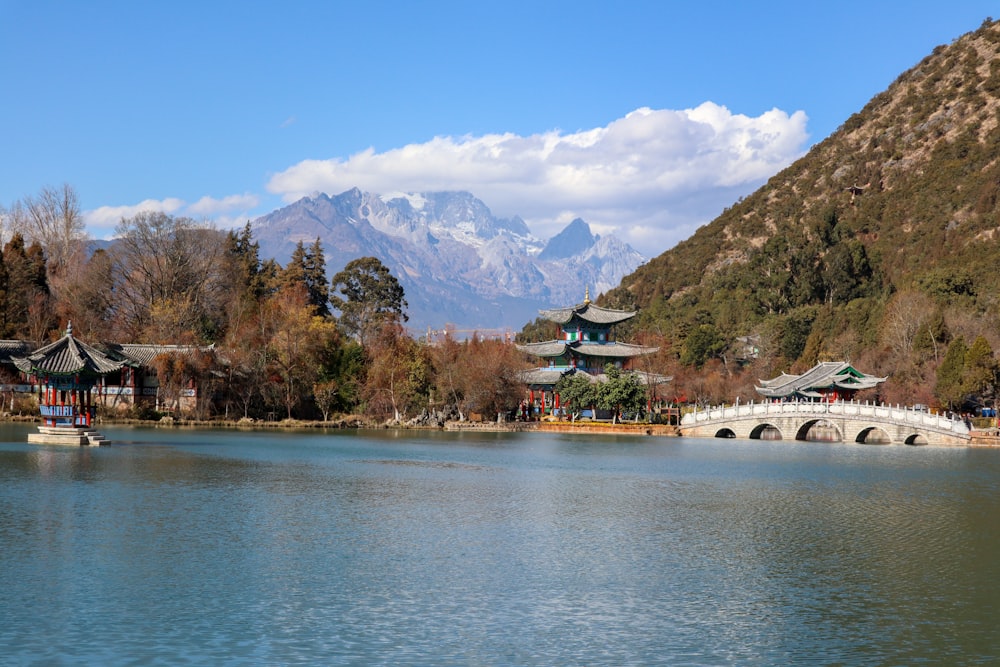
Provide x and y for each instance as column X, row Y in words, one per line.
column 367, row 295
column 26, row 283
column 949, row 388
column 318, row 288
column 307, row 267
column 980, row 374
column 250, row 278
column 294, row 272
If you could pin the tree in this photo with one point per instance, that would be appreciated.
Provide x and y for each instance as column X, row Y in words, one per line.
column 307, row 267
column 177, row 370
column 701, row 345
column 491, row 376
column 88, row 297
column 578, row 391
column 252, row 279
column 367, row 296
column 949, row 388
column 295, row 341
column 622, row 393
column 397, row 377
column 980, row 376
column 53, row 219
column 314, row 271
column 27, row 289
column 448, row 361
column 170, row 279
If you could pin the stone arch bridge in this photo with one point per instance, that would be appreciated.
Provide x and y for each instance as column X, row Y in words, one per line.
column 846, row 421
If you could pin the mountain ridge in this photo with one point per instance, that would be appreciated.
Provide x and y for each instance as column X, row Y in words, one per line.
column 899, row 208
column 458, row 263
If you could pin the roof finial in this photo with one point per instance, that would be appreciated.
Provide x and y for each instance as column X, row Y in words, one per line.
column 69, row 328
column 586, row 298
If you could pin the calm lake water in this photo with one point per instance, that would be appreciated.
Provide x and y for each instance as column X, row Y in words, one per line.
column 380, row 548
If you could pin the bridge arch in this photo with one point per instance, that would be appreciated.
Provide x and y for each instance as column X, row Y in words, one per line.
column 873, row 435
column 817, row 426
column 915, row 439
column 766, row 431
column 725, row 433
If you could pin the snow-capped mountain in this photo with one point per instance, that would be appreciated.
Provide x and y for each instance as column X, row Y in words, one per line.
column 457, row 262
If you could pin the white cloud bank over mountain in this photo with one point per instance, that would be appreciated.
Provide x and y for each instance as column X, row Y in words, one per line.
column 651, row 177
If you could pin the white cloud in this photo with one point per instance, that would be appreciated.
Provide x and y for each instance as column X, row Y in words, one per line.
column 209, row 206
column 101, row 221
column 651, row 177
column 224, row 212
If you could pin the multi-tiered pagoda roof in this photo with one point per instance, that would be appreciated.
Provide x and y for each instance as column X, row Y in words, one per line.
column 585, row 343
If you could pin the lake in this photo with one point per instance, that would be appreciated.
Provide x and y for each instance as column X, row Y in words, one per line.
column 197, row 547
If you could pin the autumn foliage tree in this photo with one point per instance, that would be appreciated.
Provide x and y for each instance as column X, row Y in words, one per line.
column 397, row 374
column 295, row 340
column 179, row 370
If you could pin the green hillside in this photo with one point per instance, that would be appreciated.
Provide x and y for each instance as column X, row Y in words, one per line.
column 880, row 246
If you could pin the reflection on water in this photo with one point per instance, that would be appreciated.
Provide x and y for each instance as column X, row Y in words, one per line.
column 394, row 548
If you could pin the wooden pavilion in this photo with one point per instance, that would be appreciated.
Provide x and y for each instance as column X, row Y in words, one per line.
column 66, row 373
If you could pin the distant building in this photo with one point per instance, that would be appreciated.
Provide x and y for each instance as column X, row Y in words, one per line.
column 826, row 381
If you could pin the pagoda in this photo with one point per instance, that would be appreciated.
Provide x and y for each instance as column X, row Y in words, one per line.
column 66, row 372
column 585, row 345
column 827, row 381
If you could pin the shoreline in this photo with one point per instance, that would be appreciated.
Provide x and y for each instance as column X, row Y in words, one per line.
column 358, row 422
column 979, row 439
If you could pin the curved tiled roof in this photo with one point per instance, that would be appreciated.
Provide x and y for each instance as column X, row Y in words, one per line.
column 550, row 348
column 587, row 312
column 543, row 376
column 824, row 375
column 67, row 356
column 13, row 349
column 615, row 350
column 142, row 354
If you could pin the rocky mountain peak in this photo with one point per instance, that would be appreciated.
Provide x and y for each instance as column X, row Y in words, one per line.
column 458, row 262
column 573, row 240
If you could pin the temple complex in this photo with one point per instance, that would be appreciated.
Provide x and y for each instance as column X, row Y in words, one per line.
column 585, row 345
column 826, row 381
column 66, row 373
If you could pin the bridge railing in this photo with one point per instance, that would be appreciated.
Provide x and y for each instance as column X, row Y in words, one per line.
column 898, row 414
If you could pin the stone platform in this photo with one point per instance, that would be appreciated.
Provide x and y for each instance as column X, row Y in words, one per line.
column 66, row 435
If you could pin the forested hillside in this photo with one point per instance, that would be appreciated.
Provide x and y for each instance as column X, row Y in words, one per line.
column 880, row 246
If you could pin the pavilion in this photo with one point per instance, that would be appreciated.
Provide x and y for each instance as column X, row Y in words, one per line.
column 585, row 345
column 66, row 372
column 827, row 381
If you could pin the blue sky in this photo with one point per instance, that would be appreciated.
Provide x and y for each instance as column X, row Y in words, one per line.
column 645, row 118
